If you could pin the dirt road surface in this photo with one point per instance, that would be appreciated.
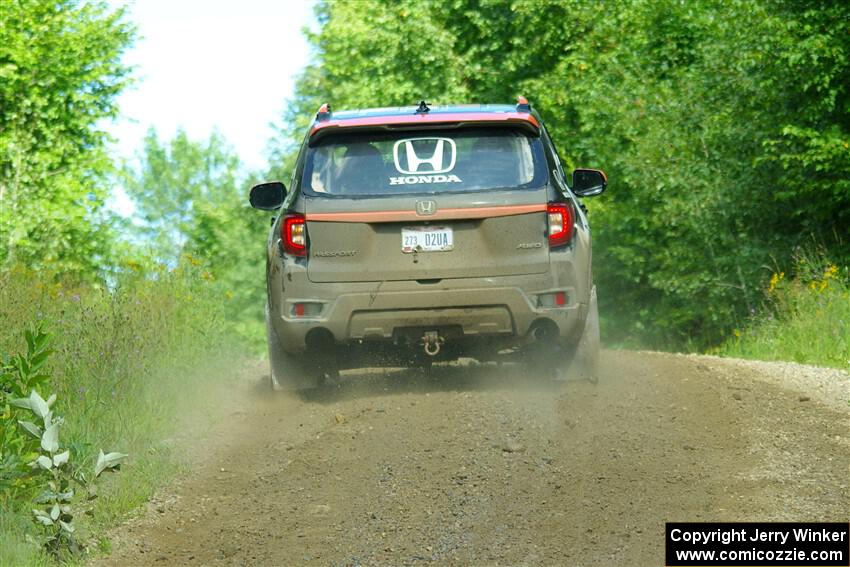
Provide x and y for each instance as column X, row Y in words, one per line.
column 486, row 466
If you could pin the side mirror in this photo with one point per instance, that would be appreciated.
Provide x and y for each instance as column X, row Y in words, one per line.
column 589, row 182
column 268, row 196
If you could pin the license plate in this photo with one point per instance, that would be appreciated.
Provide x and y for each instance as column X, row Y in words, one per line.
column 426, row 239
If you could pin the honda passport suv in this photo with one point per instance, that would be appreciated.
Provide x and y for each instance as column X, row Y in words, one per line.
column 421, row 234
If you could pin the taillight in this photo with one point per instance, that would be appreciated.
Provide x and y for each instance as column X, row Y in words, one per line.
column 560, row 222
column 560, row 298
column 293, row 233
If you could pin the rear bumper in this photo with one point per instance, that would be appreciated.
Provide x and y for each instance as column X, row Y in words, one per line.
column 503, row 307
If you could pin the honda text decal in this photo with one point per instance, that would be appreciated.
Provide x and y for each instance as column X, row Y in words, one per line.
column 424, row 160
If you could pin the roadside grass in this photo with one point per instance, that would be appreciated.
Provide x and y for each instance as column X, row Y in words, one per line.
column 131, row 360
column 15, row 550
column 806, row 318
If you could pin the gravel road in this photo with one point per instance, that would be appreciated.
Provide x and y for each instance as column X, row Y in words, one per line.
column 487, row 466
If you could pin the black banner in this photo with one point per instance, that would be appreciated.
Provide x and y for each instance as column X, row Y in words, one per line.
column 758, row 544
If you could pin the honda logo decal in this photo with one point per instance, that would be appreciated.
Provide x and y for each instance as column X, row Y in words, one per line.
column 424, row 155
column 424, row 160
column 424, row 208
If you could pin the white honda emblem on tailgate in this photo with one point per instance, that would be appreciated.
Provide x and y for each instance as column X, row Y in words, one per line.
column 424, row 160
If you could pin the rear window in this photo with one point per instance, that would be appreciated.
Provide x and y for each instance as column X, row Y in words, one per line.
column 431, row 161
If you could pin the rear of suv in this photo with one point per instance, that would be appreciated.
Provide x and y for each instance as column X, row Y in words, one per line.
column 421, row 234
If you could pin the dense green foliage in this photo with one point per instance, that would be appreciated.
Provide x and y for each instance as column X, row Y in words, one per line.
column 190, row 200
column 60, row 71
column 724, row 127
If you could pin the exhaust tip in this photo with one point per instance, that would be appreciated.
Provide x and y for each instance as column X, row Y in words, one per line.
column 544, row 330
column 319, row 338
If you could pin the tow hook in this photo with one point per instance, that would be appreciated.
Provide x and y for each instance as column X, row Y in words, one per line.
column 432, row 342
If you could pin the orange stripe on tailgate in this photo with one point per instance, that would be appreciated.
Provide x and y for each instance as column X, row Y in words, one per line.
column 441, row 214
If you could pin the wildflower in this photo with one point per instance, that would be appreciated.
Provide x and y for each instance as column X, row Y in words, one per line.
column 737, row 333
column 228, row 295
column 831, row 272
column 774, row 281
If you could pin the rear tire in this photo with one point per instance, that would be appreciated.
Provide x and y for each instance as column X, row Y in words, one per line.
column 288, row 372
column 587, row 353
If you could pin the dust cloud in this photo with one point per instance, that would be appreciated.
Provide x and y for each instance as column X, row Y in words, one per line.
column 469, row 464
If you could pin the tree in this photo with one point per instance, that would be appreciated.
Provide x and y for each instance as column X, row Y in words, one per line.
column 60, row 72
column 706, row 128
column 192, row 204
column 172, row 181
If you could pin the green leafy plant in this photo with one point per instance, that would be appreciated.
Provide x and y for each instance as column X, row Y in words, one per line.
column 33, row 457
column 22, row 372
column 55, row 512
column 19, row 374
